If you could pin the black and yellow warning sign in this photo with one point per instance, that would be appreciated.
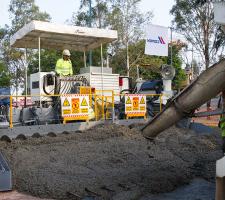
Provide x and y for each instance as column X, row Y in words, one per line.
column 128, row 101
column 75, row 107
column 66, row 111
column 128, row 108
column 84, row 110
column 142, row 100
column 84, row 102
column 135, row 105
column 142, row 108
column 66, row 103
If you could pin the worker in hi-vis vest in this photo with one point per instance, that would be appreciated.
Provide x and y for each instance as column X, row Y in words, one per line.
column 64, row 64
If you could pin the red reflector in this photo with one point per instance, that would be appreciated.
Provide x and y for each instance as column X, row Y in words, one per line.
column 120, row 81
column 92, row 90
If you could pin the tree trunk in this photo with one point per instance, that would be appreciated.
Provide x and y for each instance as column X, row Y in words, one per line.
column 207, row 62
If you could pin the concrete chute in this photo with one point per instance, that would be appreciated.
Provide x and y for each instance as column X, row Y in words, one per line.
column 206, row 86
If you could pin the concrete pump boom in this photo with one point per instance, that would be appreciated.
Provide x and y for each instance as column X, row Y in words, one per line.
column 206, row 86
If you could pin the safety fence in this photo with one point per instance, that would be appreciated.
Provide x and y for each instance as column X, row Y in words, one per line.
column 85, row 106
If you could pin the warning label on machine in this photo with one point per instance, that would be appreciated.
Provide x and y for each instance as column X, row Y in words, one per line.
column 135, row 104
column 66, row 111
column 66, row 103
column 84, row 102
column 128, row 101
column 75, row 106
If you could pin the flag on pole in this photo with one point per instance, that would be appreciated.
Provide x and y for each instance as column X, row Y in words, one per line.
column 156, row 40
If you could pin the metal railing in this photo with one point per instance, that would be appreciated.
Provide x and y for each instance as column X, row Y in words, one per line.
column 101, row 102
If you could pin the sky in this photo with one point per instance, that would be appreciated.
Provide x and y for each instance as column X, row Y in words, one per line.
column 60, row 11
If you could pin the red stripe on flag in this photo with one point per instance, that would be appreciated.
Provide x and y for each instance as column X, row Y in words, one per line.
column 162, row 40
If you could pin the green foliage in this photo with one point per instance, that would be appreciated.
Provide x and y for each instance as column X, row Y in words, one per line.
column 50, row 57
column 4, row 75
column 24, row 11
column 195, row 20
column 48, row 61
column 149, row 66
column 121, row 15
column 99, row 14
column 98, row 19
column 21, row 13
column 180, row 75
column 128, row 20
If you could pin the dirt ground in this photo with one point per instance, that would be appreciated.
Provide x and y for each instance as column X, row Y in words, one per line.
column 110, row 162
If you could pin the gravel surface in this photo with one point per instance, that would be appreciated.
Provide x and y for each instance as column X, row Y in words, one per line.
column 198, row 189
column 110, row 162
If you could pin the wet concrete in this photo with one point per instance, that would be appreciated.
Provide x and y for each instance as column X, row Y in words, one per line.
column 111, row 162
column 198, row 189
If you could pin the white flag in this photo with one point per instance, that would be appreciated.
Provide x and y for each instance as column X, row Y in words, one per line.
column 156, row 40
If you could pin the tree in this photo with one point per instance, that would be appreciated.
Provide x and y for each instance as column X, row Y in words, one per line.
column 195, row 20
column 195, row 68
column 129, row 21
column 24, row 11
column 4, row 71
column 98, row 19
column 149, row 66
column 4, row 75
column 21, row 13
column 125, row 17
column 180, row 75
column 121, row 15
column 48, row 61
column 99, row 14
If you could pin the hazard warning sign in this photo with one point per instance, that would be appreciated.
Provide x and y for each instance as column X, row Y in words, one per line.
column 75, row 106
column 142, row 100
column 84, row 102
column 135, row 105
column 66, row 103
column 128, row 101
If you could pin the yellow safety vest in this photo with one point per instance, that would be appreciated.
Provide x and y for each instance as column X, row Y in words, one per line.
column 64, row 67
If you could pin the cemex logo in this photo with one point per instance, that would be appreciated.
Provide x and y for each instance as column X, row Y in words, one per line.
column 159, row 40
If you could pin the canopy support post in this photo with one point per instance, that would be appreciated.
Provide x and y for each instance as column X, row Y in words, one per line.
column 39, row 64
column 39, row 54
column 85, row 63
column 26, row 67
column 102, row 68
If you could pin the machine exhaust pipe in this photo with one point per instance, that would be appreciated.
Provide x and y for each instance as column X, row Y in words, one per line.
column 210, row 83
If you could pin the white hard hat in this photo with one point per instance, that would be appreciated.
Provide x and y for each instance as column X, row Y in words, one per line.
column 66, row 52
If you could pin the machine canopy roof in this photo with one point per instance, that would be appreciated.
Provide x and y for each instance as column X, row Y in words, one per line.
column 55, row 36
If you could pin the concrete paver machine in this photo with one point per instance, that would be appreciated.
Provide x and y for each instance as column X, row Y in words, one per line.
column 45, row 87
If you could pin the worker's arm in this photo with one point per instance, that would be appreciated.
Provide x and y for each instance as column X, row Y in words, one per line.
column 57, row 67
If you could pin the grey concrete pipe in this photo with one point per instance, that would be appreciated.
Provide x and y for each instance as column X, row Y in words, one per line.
column 206, row 86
